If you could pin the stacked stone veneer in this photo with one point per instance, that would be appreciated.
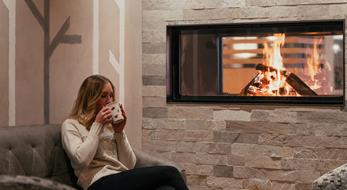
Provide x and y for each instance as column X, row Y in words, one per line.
column 225, row 146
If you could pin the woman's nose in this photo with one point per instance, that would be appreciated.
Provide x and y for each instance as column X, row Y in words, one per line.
column 109, row 100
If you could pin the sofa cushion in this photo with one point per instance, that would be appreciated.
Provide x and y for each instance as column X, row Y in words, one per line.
column 34, row 151
column 19, row 182
column 332, row 180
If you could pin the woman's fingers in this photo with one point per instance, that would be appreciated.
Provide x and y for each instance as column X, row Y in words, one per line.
column 104, row 115
column 123, row 112
column 107, row 115
column 105, row 109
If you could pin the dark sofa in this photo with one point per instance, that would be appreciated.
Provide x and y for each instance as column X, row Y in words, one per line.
column 32, row 158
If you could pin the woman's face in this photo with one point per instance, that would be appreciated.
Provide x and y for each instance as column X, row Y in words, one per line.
column 106, row 96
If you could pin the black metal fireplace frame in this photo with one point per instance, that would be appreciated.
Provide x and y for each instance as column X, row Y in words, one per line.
column 173, row 65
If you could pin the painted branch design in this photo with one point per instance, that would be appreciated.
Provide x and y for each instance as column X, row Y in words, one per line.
column 49, row 47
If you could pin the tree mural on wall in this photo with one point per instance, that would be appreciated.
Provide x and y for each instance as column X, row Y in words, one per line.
column 50, row 46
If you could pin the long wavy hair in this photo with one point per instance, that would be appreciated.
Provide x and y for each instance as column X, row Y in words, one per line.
column 85, row 107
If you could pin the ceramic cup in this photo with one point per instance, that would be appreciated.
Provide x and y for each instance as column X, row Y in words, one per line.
column 116, row 111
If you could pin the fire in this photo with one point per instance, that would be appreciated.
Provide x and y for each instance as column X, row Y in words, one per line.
column 273, row 58
column 274, row 53
column 272, row 81
column 313, row 64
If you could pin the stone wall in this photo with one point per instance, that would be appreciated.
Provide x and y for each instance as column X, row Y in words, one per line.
column 229, row 146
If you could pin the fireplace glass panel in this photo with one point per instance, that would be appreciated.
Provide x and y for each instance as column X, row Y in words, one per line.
column 295, row 62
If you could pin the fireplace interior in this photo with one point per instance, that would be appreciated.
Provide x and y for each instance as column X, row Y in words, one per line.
column 288, row 62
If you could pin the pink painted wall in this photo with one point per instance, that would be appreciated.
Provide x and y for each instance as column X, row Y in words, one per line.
column 29, row 66
column 70, row 63
column 109, row 40
column 4, row 40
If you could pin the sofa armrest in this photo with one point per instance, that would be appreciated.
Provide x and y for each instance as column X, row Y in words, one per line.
column 19, row 182
column 335, row 179
column 145, row 160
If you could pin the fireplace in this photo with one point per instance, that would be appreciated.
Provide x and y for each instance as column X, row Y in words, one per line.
column 280, row 62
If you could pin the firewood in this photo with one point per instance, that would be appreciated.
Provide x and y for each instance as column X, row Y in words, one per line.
column 262, row 67
column 300, row 86
column 244, row 91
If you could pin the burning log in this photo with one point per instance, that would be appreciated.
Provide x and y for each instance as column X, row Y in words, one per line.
column 292, row 79
column 264, row 68
column 245, row 90
column 257, row 83
column 299, row 85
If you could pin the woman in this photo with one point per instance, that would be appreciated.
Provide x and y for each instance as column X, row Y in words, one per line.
column 99, row 151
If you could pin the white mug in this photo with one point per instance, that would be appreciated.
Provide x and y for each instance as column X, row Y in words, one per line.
column 116, row 112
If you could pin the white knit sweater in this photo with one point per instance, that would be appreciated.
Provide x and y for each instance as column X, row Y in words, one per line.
column 97, row 152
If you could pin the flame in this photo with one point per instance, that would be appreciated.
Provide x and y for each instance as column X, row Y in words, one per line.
column 273, row 59
column 313, row 63
column 276, row 60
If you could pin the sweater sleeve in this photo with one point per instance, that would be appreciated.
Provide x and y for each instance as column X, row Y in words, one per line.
column 126, row 154
column 81, row 151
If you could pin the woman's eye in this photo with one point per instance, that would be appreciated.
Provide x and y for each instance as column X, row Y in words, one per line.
column 107, row 95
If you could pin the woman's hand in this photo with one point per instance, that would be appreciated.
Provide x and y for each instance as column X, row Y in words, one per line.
column 104, row 116
column 119, row 127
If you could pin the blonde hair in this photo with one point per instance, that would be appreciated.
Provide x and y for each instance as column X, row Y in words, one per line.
column 85, row 107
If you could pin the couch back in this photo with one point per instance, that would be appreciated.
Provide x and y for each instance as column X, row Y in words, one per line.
column 35, row 151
